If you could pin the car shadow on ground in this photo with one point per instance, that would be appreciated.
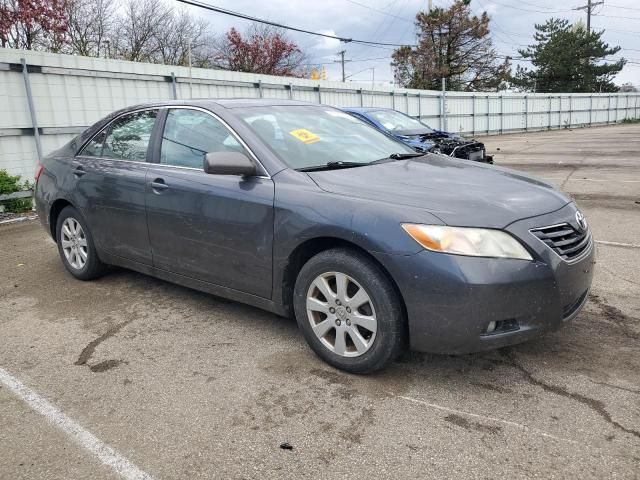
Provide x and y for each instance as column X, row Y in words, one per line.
column 578, row 348
column 589, row 346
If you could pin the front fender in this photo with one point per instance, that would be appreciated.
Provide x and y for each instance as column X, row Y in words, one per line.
column 304, row 212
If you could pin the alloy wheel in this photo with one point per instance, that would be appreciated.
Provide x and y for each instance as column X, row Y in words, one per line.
column 74, row 243
column 341, row 314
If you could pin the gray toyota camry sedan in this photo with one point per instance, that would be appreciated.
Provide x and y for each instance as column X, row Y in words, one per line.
column 303, row 210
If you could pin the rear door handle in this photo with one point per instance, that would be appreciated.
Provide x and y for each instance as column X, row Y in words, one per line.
column 159, row 185
column 79, row 171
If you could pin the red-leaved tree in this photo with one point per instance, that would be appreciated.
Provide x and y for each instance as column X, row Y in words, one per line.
column 32, row 24
column 262, row 49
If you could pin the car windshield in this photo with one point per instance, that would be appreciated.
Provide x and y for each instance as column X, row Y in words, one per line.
column 399, row 122
column 309, row 136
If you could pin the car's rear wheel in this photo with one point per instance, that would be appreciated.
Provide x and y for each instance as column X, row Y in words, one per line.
column 76, row 247
column 348, row 311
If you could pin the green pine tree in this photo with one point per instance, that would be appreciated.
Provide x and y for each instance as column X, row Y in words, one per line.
column 566, row 58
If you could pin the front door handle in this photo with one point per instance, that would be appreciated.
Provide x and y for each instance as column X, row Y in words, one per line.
column 79, row 171
column 158, row 185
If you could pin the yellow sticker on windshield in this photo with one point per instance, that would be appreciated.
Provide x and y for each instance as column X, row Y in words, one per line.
column 305, row 136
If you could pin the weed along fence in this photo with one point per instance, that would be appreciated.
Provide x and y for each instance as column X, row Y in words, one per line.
column 46, row 99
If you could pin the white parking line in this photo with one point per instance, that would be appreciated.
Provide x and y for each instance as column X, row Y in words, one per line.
column 82, row 437
column 520, row 426
column 618, row 244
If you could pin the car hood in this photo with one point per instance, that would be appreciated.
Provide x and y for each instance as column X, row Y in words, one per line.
column 456, row 191
column 416, row 141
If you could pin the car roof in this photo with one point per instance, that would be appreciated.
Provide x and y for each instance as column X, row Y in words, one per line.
column 364, row 109
column 224, row 103
column 259, row 102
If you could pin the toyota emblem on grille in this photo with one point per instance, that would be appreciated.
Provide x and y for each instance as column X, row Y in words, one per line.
column 582, row 222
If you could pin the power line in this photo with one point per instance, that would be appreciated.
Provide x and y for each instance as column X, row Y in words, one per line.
column 622, row 8
column 529, row 9
column 361, row 49
column 359, row 71
column 497, row 29
column 244, row 16
column 615, row 16
column 388, row 23
column 627, row 32
column 312, row 64
column 529, row 4
column 410, row 20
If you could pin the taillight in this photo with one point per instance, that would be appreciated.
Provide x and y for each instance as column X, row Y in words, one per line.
column 39, row 171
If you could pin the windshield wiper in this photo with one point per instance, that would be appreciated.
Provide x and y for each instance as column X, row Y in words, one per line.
column 331, row 166
column 396, row 156
column 403, row 156
column 340, row 164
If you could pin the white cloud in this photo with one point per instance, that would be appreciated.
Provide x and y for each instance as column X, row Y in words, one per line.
column 327, row 43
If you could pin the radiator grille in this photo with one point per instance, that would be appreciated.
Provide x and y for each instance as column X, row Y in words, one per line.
column 564, row 239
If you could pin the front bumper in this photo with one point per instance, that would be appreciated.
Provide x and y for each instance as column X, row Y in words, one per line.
column 452, row 299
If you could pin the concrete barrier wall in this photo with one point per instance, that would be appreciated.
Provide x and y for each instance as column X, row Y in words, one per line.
column 69, row 93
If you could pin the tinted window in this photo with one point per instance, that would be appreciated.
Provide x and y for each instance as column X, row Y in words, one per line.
column 128, row 138
column 94, row 147
column 190, row 134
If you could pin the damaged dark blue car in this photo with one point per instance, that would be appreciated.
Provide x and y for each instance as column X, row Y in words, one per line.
column 420, row 136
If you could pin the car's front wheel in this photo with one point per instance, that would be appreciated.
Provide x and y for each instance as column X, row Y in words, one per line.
column 348, row 311
column 76, row 247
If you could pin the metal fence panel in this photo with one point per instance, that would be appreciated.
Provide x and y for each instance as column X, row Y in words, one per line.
column 69, row 93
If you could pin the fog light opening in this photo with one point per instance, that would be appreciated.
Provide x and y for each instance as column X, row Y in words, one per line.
column 501, row 326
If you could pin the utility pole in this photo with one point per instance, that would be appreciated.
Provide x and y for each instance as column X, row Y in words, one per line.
column 190, row 73
column 589, row 8
column 443, row 106
column 342, row 60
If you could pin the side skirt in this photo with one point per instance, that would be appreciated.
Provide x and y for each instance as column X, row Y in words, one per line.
column 212, row 288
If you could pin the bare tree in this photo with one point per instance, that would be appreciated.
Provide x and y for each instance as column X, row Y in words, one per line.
column 174, row 36
column 90, row 24
column 136, row 38
column 138, row 30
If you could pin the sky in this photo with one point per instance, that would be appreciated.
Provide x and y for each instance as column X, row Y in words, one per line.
column 392, row 21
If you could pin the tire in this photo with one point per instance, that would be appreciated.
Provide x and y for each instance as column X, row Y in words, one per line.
column 368, row 346
column 76, row 248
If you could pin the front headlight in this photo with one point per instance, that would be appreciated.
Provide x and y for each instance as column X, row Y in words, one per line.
column 477, row 242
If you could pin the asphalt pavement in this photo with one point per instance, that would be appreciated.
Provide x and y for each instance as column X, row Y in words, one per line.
column 129, row 376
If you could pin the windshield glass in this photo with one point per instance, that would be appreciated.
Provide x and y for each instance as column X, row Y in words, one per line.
column 398, row 122
column 307, row 136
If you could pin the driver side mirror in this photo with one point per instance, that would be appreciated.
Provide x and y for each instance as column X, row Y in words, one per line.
column 229, row 163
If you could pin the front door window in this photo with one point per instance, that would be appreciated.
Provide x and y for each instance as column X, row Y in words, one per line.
column 190, row 134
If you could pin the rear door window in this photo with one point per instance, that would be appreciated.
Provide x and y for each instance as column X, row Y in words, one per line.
column 129, row 135
column 94, row 147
